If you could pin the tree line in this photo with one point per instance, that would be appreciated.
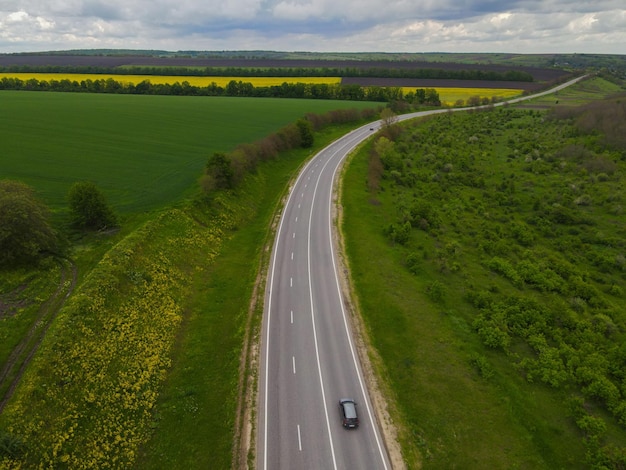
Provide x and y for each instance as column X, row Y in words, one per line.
column 377, row 72
column 323, row 91
column 226, row 171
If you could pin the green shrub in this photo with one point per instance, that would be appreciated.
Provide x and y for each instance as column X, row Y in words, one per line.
column 491, row 334
column 436, row 291
column 88, row 207
column 482, row 364
column 505, row 268
column 413, row 262
column 399, row 233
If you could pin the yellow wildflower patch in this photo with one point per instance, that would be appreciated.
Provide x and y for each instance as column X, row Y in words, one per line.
column 171, row 79
column 87, row 400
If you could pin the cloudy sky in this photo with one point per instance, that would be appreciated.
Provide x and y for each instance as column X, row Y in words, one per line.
column 518, row 26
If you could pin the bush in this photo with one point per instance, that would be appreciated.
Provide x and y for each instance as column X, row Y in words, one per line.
column 399, row 233
column 490, row 334
column 436, row 291
column 482, row 364
column 89, row 208
column 548, row 367
column 413, row 262
column 218, row 167
column 504, row 268
column 306, row 133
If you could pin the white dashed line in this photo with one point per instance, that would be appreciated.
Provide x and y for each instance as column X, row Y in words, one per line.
column 299, row 439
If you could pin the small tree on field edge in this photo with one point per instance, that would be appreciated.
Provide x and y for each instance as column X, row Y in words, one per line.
column 220, row 169
column 88, row 207
column 306, row 133
column 25, row 229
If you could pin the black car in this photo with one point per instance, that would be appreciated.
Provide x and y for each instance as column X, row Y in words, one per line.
column 347, row 410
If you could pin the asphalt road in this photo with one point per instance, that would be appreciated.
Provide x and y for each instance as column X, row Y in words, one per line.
column 308, row 360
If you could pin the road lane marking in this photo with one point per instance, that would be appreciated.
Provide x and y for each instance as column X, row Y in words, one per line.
column 315, row 342
column 293, row 359
column 296, row 218
column 299, row 440
column 291, row 282
column 346, row 328
column 292, row 256
column 351, row 146
column 294, row 235
column 270, row 298
column 292, row 316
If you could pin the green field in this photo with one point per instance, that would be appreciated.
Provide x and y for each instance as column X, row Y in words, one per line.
column 142, row 151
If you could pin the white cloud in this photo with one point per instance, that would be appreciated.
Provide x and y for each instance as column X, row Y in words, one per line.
column 297, row 10
column 347, row 25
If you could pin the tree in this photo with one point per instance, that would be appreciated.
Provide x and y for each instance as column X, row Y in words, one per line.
column 89, row 208
column 388, row 155
column 25, row 230
column 388, row 117
column 306, row 133
column 431, row 97
column 219, row 168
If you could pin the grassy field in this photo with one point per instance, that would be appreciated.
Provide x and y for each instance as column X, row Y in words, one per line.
column 461, row 194
column 142, row 151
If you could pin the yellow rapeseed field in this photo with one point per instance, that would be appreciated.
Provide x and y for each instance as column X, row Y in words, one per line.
column 450, row 96
column 163, row 79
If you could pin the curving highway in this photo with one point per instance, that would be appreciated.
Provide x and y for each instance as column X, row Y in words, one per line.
column 308, row 359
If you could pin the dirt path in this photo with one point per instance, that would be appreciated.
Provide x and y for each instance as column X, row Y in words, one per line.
column 22, row 354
